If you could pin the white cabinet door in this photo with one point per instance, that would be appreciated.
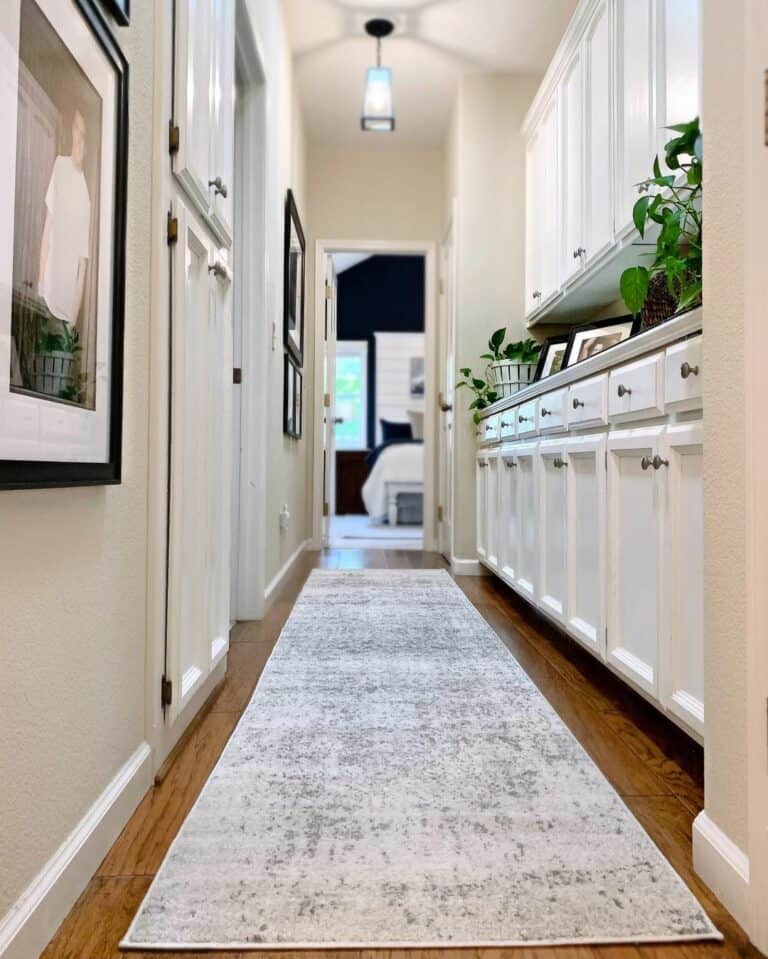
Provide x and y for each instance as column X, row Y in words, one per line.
column 572, row 168
column 679, row 65
column 635, row 514
column 683, row 578
column 509, row 531
column 553, row 511
column 223, row 106
column 527, row 515
column 548, row 204
column 598, row 86
column 193, row 113
column 481, row 505
column 586, row 542
column 532, row 225
column 492, row 531
column 636, row 121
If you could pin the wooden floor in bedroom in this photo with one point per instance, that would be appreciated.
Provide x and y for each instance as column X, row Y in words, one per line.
column 655, row 768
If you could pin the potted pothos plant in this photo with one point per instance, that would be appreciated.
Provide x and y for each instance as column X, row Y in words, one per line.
column 512, row 365
column 53, row 363
column 485, row 394
column 671, row 201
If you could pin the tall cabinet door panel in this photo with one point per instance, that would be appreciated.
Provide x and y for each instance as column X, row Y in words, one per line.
column 586, row 542
column 635, row 511
column 553, row 509
column 636, row 131
column 193, row 28
column 572, row 166
column 527, row 514
column 548, row 203
column 223, row 93
column 509, row 530
column 683, row 630
column 532, row 225
column 598, row 86
column 492, row 531
column 679, row 66
column 481, row 505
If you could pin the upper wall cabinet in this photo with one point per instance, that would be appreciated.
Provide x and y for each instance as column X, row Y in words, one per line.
column 624, row 70
column 203, row 158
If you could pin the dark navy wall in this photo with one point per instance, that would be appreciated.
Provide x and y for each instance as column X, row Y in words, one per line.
column 384, row 294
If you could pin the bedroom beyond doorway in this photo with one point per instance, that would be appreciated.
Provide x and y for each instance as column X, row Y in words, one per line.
column 379, row 391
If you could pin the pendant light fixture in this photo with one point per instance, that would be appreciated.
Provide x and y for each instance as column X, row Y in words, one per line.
column 378, row 110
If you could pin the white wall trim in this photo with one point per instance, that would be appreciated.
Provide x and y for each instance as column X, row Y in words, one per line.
column 277, row 581
column 467, row 567
column 36, row 915
column 723, row 866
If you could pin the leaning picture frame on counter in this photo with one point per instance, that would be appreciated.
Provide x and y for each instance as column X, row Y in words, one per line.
column 587, row 341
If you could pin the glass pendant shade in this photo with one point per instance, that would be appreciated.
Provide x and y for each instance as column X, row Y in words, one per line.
column 378, row 109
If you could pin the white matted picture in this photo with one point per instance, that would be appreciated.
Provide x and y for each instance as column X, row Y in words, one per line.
column 63, row 107
column 552, row 357
column 589, row 341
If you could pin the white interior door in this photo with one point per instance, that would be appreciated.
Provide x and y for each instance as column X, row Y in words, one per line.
column 446, row 387
column 329, row 399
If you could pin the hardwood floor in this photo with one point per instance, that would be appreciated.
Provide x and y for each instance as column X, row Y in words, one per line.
column 654, row 767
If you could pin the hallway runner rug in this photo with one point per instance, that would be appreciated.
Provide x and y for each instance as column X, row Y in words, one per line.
column 397, row 780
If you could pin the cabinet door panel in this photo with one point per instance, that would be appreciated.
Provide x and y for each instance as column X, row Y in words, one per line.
column 679, row 65
column 635, row 514
column 508, row 522
column 527, row 514
column 598, row 232
column 193, row 101
column 492, row 510
column 481, row 505
column 223, row 140
column 548, row 201
column 532, row 228
column 683, row 634
column 572, row 167
column 586, row 542
column 553, row 507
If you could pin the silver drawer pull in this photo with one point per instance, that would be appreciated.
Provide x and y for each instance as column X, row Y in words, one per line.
column 219, row 186
column 646, row 462
column 687, row 370
column 504, row 424
column 559, row 463
column 482, row 465
column 537, row 294
column 658, row 462
column 524, row 419
column 510, row 464
column 577, row 403
column 488, row 428
column 545, row 412
column 219, row 270
column 623, row 391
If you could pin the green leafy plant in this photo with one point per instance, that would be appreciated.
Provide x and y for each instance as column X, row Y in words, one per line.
column 524, row 351
column 485, row 395
column 67, row 340
column 673, row 202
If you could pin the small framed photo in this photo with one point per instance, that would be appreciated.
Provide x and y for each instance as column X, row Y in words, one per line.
column 293, row 281
column 552, row 358
column 64, row 100
column 292, row 398
column 588, row 341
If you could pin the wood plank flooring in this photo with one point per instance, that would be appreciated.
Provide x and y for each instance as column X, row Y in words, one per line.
column 654, row 767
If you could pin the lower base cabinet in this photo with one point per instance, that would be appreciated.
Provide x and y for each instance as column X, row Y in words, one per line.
column 553, row 528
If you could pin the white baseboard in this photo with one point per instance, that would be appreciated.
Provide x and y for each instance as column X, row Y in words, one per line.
column 722, row 866
column 36, row 915
column 467, row 567
column 277, row 581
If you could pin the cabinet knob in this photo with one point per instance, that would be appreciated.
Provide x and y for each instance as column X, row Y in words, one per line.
column 537, row 294
column 658, row 462
column 646, row 462
column 446, row 407
column 545, row 412
column 579, row 252
column 488, row 428
column 559, row 463
column 576, row 403
column 504, row 424
column 478, row 432
column 623, row 391
column 482, row 465
column 219, row 186
column 219, row 270
column 523, row 419
column 510, row 464
column 687, row 370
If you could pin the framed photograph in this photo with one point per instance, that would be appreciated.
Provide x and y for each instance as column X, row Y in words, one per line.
column 120, row 10
column 416, row 377
column 293, row 306
column 292, row 398
column 64, row 109
column 590, row 340
column 552, row 357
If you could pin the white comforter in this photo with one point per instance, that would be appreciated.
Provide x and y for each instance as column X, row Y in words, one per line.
column 402, row 463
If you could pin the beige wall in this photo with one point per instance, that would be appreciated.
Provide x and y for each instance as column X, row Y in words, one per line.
column 72, row 585
column 485, row 171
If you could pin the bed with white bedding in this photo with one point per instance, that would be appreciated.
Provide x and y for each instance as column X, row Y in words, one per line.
column 397, row 471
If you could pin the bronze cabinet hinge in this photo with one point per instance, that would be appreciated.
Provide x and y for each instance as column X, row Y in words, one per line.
column 172, row 229
column 166, row 691
column 174, row 137
column 237, row 375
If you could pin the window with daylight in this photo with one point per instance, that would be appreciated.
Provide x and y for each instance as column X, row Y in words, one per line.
column 352, row 395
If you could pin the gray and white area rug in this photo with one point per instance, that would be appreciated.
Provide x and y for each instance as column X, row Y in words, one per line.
column 397, row 780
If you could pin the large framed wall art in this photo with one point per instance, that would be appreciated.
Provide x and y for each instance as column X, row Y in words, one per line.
column 63, row 159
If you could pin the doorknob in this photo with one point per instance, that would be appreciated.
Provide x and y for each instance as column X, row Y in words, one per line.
column 446, row 407
column 338, row 420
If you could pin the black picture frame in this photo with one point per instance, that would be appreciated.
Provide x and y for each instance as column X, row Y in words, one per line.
column 294, row 281
column 40, row 474
column 120, row 11
column 549, row 345
column 293, row 384
column 630, row 322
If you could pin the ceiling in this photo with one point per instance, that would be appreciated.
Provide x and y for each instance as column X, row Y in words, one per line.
column 435, row 42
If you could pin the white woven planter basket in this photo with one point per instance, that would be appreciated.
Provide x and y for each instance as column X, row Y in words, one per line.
column 507, row 377
column 52, row 372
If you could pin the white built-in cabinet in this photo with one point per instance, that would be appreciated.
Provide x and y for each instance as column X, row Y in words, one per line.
column 595, row 513
column 624, row 70
column 203, row 124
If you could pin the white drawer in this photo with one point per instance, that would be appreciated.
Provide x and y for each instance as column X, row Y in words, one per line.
column 508, row 424
column 636, row 391
column 683, row 373
column 527, row 418
column 489, row 429
column 552, row 413
column 588, row 402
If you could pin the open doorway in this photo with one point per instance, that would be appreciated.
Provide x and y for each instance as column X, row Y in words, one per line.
column 377, row 458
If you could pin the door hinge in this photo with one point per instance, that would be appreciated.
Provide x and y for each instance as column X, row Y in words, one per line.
column 440, row 514
column 327, row 400
column 174, row 138
column 172, row 229
column 328, row 292
column 326, row 509
column 237, row 375
column 166, row 691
